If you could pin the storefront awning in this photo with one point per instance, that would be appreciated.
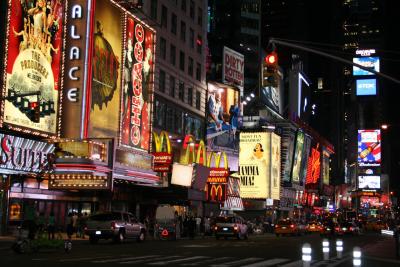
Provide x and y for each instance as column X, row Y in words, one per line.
column 233, row 203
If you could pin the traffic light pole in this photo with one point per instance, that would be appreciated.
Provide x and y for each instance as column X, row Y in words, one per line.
column 314, row 51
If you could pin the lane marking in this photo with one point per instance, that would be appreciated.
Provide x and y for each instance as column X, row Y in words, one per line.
column 122, row 259
column 207, row 261
column 267, row 263
column 177, row 261
column 149, row 259
column 239, row 262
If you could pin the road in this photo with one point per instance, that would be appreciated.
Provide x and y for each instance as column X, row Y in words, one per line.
column 257, row 251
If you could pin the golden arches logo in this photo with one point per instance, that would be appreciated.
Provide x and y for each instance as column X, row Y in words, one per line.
column 217, row 159
column 216, row 192
column 159, row 142
column 192, row 155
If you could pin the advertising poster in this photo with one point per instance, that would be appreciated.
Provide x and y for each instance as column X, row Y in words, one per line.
column 368, row 62
column 369, row 147
column 369, row 182
column 105, row 90
column 223, row 116
column 275, row 166
column 137, row 84
column 271, row 97
column 314, row 165
column 233, row 68
column 366, row 87
column 288, row 147
column 254, row 164
column 304, row 160
column 33, row 65
column 325, row 167
column 298, row 156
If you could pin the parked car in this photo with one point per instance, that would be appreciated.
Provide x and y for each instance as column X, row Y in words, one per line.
column 331, row 228
column 350, row 228
column 288, row 227
column 313, row 227
column 114, row 225
column 230, row 226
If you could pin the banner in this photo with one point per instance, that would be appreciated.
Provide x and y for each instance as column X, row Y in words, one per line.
column 106, row 71
column 275, row 166
column 314, row 165
column 162, row 160
column 233, row 68
column 32, row 77
column 138, row 81
column 288, row 147
column 325, row 167
column 254, row 164
column 298, row 156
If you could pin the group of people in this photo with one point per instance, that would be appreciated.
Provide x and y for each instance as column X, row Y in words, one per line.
column 76, row 224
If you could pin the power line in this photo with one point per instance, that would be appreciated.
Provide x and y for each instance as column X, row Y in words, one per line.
column 311, row 50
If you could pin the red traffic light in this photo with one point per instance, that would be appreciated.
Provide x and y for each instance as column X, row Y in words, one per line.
column 271, row 59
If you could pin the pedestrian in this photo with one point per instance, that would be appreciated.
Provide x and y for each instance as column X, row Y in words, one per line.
column 30, row 219
column 81, row 223
column 51, row 225
column 75, row 223
column 70, row 228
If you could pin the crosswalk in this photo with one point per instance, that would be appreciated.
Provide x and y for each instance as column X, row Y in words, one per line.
column 192, row 260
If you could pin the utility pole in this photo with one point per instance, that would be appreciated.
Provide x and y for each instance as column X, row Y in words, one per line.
column 317, row 52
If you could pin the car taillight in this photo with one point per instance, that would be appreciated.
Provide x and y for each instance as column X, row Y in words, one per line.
column 235, row 227
column 351, row 228
column 292, row 226
column 113, row 226
column 337, row 228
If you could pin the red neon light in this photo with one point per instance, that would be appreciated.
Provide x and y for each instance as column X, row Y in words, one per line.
column 314, row 165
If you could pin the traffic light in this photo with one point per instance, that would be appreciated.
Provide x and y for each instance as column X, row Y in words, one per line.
column 270, row 70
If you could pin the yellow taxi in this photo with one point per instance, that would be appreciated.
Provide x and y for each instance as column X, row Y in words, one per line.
column 286, row 227
column 314, row 227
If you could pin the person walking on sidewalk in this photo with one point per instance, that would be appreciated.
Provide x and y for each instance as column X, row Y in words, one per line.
column 51, row 226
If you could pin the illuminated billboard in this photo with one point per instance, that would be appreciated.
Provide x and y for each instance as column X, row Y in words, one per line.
column 314, row 165
column 138, row 81
column 366, row 87
column 369, row 182
column 304, row 160
column 325, row 167
column 254, row 164
column 233, row 67
column 260, row 165
column 298, row 156
column 288, row 147
column 223, row 116
column 106, row 71
column 368, row 62
column 369, row 147
column 32, row 73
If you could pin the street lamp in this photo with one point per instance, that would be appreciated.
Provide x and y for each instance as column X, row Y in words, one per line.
column 384, row 126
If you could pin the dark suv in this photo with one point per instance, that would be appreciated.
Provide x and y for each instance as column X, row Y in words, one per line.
column 116, row 225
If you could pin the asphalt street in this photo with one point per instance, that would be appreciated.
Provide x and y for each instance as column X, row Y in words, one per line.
column 257, row 251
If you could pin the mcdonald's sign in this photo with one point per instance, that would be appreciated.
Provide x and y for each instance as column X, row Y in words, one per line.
column 216, row 192
column 217, row 174
column 162, row 160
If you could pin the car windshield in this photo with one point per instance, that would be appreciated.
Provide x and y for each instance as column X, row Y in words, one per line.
column 106, row 216
column 225, row 220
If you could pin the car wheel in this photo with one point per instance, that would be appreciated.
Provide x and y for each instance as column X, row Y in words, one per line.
column 141, row 237
column 120, row 237
column 93, row 240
